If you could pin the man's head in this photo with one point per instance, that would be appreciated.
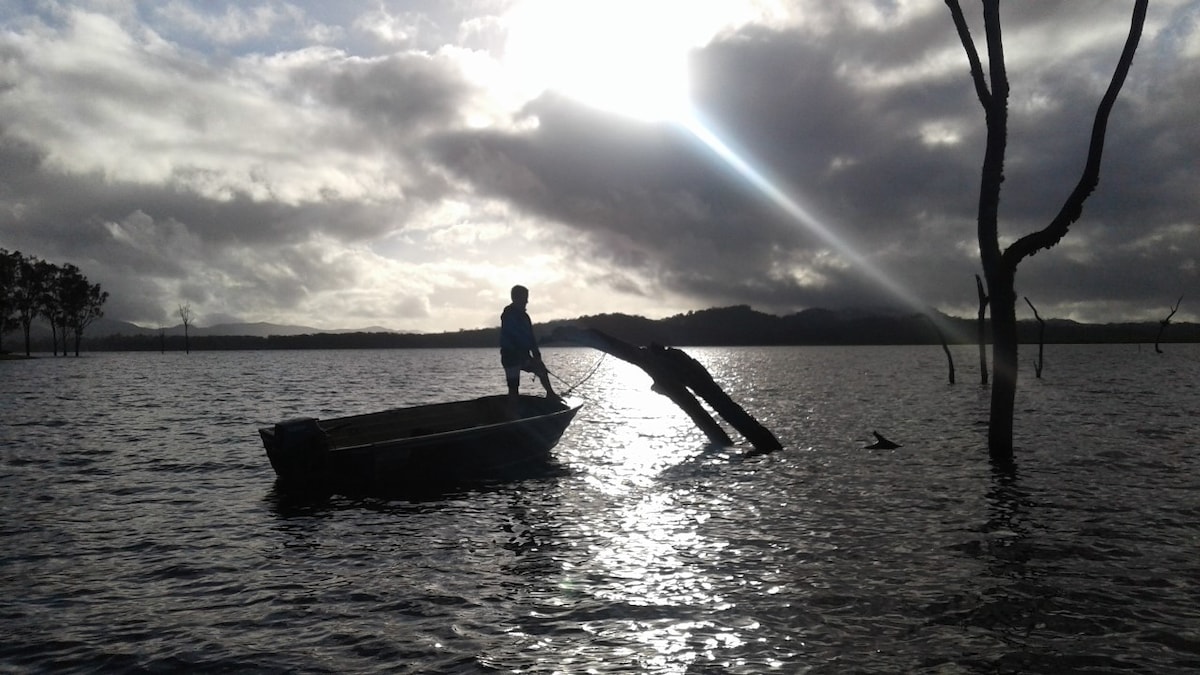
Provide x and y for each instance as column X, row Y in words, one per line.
column 519, row 294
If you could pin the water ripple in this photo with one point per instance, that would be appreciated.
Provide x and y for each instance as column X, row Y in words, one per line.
column 143, row 530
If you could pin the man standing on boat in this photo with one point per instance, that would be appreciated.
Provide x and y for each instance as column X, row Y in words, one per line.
column 519, row 349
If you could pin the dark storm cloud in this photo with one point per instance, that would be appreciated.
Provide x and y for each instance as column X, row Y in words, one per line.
column 68, row 203
column 139, row 241
column 209, row 225
column 396, row 97
column 644, row 197
column 652, row 197
column 856, row 153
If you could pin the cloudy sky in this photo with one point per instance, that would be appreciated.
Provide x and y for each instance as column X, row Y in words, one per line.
column 402, row 163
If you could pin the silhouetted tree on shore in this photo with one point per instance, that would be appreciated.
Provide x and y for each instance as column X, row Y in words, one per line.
column 33, row 279
column 79, row 304
column 1000, row 265
column 30, row 288
column 9, row 263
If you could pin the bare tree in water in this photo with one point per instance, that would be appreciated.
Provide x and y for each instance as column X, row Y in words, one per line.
column 1162, row 325
column 1000, row 265
column 982, row 328
column 1041, row 359
column 185, row 315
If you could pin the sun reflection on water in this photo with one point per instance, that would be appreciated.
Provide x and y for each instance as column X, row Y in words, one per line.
column 647, row 552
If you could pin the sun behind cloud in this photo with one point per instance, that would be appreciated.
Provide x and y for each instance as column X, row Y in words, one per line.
column 628, row 57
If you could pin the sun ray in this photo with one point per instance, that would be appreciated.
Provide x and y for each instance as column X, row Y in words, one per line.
column 629, row 57
column 806, row 217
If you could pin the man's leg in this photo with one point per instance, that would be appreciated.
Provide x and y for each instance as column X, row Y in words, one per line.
column 513, row 378
column 543, row 374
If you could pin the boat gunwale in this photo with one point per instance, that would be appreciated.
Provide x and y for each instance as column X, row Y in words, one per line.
column 400, row 442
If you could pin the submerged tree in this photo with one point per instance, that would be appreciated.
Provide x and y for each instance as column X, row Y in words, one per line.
column 945, row 347
column 1041, row 359
column 1162, row 325
column 185, row 315
column 982, row 326
column 1000, row 265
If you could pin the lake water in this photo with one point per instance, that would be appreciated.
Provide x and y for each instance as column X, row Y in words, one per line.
column 142, row 530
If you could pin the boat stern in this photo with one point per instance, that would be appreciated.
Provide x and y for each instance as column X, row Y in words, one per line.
column 298, row 449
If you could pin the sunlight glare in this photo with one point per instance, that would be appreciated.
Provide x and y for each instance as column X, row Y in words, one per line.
column 623, row 56
column 630, row 57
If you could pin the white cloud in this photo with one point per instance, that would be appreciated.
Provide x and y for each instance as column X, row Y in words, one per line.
column 235, row 24
column 138, row 110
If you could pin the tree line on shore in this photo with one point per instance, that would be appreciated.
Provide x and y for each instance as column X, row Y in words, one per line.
column 726, row 326
column 31, row 288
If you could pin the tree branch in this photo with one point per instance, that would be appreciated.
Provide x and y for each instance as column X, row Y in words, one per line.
column 964, row 35
column 996, row 66
column 1072, row 209
column 995, row 107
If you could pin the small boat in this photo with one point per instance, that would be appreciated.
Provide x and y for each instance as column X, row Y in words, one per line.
column 417, row 448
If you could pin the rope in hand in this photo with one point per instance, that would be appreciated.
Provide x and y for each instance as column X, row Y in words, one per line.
column 595, row 367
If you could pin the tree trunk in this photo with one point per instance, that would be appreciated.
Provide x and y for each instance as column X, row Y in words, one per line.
column 1004, row 365
column 1000, row 266
column 681, row 397
column 982, row 323
column 1162, row 325
column 63, row 329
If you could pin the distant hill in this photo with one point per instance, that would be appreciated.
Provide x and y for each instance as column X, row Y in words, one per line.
column 725, row 326
column 263, row 329
column 104, row 327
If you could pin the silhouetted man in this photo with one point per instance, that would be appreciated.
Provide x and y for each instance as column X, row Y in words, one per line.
column 519, row 349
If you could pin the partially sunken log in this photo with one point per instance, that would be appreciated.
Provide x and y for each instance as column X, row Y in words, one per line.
column 680, row 378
